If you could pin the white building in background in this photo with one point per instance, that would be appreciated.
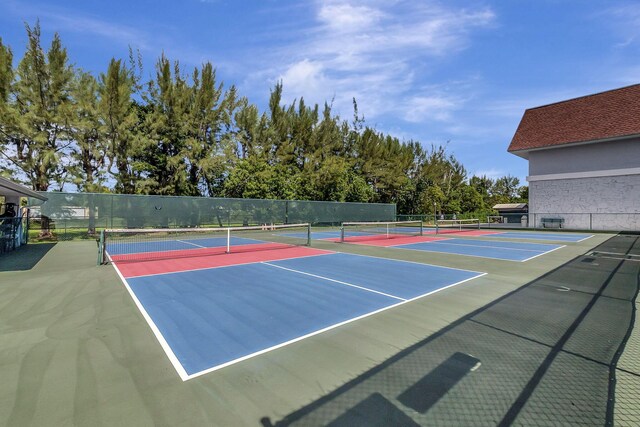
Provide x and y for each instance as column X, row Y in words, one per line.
column 13, row 221
column 584, row 160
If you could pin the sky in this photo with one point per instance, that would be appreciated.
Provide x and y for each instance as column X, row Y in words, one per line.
column 454, row 73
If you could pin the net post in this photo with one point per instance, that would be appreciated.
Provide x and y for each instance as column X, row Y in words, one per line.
column 228, row 240
column 342, row 232
column 437, row 227
column 309, row 234
column 387, row 231
column 100, row 260
column 421, row 228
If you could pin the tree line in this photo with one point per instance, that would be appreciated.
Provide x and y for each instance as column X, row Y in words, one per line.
column 179, row 133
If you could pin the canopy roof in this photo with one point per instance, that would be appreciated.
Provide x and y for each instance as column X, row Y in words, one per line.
column 12, row 189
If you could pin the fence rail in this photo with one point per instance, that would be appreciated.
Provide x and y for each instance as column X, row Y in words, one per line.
column 589, row 221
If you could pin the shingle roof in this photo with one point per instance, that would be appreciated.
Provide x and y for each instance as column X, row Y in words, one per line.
column 611, row 114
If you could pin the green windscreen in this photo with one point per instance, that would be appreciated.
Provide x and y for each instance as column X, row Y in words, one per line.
column 93, row 210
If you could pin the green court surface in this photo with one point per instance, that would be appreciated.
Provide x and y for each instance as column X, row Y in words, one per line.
column 552, row 341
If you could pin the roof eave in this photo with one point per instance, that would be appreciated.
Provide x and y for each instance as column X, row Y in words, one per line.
column 524, row 153
column 19, row 190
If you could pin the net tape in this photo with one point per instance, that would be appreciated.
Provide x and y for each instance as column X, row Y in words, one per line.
column 152, row 244
column 362, row 231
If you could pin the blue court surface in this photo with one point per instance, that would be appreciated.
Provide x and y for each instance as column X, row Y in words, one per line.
column 541, row 235
column 207, row 319
column 510, row 251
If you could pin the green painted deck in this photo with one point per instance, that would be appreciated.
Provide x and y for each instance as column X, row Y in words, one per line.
column 74, row 350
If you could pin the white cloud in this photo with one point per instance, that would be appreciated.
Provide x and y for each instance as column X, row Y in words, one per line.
column 376, row 52
column 347, row 18
column 65, row 21
column 492, row 173
column 624, row 21
column 303, row 79
column 428, row 108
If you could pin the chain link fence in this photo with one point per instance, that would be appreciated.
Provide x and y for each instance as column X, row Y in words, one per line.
column 79, row 215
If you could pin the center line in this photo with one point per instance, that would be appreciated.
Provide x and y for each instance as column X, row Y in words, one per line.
column 189, row 243
column 334, row 280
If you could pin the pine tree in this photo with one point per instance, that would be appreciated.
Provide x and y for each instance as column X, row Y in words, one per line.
column 37, row 116
column 120, row 117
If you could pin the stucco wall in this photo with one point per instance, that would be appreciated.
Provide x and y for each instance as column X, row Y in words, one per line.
column 603, row 203
column 584, row 158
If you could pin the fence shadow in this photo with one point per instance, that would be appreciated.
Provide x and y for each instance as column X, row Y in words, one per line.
column 25, row 257
column 544, row 354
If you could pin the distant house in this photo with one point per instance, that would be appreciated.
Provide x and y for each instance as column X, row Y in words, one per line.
column 512, row 212
column 584, row 160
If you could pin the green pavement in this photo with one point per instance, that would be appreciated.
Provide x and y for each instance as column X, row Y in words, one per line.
column 75, row 350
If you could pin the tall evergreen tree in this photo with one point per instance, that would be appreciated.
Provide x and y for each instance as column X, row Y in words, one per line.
column 37, row 116
column 89, row 153
column 120, row 117
column 7, row 114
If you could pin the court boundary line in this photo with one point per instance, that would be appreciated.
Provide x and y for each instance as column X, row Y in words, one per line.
column 544, row 253
column 482, row 246
column 367, row 242
column 182, row 373
column 333, row 280
column 189, row 243
column 541, row 233
column 413, row 262
column 328, row 328
column 452, row 253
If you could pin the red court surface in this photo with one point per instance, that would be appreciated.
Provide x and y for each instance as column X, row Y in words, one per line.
column 464, row 233
column 390, row 241
column 220, row 259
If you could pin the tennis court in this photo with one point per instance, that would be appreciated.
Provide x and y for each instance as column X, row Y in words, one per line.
column 324, row 334
column 541, row 235
column 454, row 240
column 509, row 251
column 353, row 236
column 211, row 311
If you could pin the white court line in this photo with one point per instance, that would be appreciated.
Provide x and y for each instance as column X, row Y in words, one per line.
column 537, row 236
column 225, row 266
column 182, row 372
column 544, row 253
column 480, row 246
column 334, row 280
column 452, row 253
column 189, row 243
column 328, row 328
column 413, row 262
column 163, row 343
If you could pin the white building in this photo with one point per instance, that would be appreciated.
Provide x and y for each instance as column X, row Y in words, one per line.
column 13, row 221
column 584, row 160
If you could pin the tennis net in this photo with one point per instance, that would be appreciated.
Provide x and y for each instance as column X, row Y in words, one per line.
column 363, row 231
column 167, row 243
column 444, row 226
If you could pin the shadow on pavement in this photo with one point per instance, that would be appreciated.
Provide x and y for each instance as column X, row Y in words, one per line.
column 545, row 354
column 25, row 257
